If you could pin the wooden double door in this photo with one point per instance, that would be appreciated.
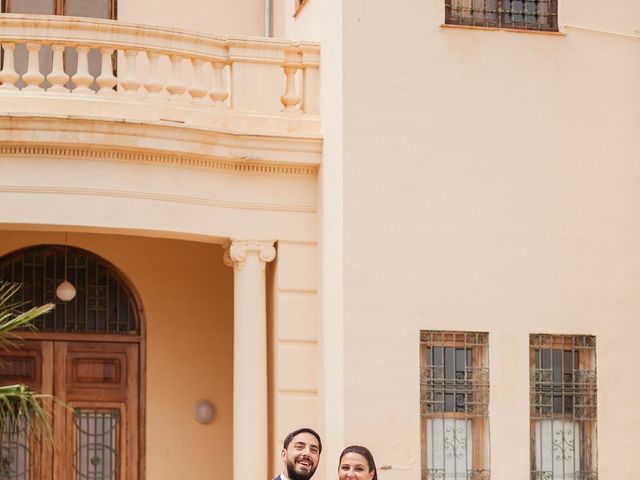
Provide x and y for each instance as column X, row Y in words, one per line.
column 95, row 414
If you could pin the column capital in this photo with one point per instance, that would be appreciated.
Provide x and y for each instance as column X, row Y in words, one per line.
column 236, row 252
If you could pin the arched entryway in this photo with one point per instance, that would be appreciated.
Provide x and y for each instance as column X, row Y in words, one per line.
column 88, row 354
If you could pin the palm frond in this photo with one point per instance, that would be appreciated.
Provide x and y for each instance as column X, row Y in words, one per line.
column 12, row 320
column 20, row 406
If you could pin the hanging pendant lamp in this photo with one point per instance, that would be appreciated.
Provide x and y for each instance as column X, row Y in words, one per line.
column 65, row 291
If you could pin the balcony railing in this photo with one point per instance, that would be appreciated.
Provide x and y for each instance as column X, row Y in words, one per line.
column 113, row 69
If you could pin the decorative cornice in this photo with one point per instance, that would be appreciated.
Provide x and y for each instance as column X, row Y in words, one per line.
column 236, row 253
column 97, row 153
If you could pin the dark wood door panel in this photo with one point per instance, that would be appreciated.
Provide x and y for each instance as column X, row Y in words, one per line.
column 22, row 366
column 94, row 371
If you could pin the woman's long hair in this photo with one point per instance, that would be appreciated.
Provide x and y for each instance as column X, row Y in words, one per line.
column 364, row 451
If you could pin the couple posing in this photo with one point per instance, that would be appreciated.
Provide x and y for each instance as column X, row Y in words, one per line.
column 301, row 454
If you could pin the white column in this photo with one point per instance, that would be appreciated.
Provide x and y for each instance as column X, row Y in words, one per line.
column 248, row 259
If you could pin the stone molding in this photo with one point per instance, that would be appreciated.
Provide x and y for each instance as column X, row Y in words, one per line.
column 235, row 254
column 237, row 166
column 161, row 197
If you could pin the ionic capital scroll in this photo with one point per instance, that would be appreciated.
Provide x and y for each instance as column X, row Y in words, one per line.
column 237, row 252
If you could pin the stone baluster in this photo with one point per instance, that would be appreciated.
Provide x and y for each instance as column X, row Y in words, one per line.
column 292, row 64
column 8, row 74
column 153, row 84
column 58, row 78
column 82, row 77
column 290, row 99
column 219, row 93
column 196, row 90
column 130, row 83
column 310, row 80
column 33, row 78
column 107, row 80
column 176, row 88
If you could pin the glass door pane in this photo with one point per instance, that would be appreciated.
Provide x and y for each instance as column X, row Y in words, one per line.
column 88, row 8
column 15, row 454
column 43, row 7
column 450, row 453
column 97, row 445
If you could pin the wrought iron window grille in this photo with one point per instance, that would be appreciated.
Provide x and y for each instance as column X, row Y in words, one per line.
column 539, row 15
column 454, row 400
column 97, row 451
column 563, row 407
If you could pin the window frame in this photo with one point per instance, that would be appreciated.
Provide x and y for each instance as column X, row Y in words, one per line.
column 478, row 343
column 585, row 347
column 59, row 6
column 500, row 21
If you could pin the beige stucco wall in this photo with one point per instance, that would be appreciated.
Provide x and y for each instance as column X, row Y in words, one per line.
column 332, row 233
column 294, row 339
column 307, row 23
column 219, row 17
column 187, row 296
column 490, row 183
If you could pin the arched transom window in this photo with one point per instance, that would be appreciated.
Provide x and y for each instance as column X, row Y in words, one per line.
column 104, row 303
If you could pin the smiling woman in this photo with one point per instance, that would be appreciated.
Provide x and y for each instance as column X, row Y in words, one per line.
column 356, row 463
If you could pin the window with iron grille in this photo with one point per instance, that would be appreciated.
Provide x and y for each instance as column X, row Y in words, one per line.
column 563, row 407
column 518, row 14
column 104, row 302
column 454, row 405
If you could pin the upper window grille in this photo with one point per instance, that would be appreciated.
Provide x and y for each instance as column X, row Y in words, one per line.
column 104, row 303
column 563, row 407
column 518, row 14
column 454, row 405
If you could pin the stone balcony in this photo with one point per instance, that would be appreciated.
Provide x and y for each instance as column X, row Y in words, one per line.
column 120, row 79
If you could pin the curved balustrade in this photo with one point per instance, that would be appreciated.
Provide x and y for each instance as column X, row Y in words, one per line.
column 139, row 72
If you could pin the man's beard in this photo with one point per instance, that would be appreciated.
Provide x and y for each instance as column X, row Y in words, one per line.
column 293, row 475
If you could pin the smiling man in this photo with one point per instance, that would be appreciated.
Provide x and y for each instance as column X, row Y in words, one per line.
column 300, row 454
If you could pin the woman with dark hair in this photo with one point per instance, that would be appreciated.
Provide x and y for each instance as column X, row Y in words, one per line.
column 356, row 463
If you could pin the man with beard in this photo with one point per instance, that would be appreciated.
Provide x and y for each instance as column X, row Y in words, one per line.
column 300, row 454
